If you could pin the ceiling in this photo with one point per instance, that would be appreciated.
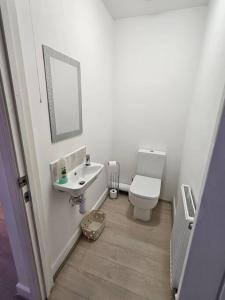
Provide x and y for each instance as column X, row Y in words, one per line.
column 133, row 8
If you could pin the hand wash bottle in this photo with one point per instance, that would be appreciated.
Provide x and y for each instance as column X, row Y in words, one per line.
column 63, row 173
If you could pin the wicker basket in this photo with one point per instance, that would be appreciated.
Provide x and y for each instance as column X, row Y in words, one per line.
column 93, row 224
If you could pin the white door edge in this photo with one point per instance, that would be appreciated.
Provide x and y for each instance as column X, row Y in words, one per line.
column 11, row 31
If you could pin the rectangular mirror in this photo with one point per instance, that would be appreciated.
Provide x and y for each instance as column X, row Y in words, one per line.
column 63, row 81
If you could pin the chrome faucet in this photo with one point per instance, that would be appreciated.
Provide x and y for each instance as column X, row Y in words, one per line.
column 88, row 160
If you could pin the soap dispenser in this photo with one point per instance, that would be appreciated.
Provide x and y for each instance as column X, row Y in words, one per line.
column 63, row 173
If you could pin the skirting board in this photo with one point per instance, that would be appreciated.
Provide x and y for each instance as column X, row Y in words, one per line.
column 174, row 206
column 174, row 209
column 60, row 259
column 23, row 291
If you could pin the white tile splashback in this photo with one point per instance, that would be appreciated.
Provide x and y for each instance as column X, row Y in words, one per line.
column 73, row 159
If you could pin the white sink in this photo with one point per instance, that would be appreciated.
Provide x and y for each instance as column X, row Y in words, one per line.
column 80, row 179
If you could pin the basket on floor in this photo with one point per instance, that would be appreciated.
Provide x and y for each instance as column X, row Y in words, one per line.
column 93, row 224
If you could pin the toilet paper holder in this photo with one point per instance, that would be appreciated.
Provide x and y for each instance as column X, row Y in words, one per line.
column 113, row 177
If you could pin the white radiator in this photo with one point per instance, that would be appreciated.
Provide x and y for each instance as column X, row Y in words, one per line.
column 183, row 221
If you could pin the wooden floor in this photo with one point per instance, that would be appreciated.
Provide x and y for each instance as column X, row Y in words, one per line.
column 130, row 261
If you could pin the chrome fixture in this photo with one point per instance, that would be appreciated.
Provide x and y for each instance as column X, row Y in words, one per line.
column 88, row 160
column 78, row 201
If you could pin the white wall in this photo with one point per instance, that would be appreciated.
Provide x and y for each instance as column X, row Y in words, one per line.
column 207, row 102
column 83, row 30
column 156, row 59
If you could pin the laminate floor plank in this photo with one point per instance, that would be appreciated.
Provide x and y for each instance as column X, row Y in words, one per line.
column 146, row 265
column 125, row 277
column 92, row 287
column 129, row 261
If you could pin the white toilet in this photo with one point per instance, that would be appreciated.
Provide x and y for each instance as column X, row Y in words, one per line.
column 145, row 189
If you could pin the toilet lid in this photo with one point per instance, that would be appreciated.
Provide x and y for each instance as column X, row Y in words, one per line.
column 145, row 187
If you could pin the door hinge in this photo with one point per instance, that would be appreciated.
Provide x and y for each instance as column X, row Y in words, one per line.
column 22, row 181
column 27, row 196
column 190, row 225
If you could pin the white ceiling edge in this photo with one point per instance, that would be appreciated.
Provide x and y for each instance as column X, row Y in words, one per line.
column 120, row 9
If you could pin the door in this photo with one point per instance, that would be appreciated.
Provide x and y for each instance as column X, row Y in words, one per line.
column 204, row 273
column 15, row 190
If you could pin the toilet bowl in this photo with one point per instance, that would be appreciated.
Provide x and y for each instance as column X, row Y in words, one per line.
column 144, row 195
column 145, row 189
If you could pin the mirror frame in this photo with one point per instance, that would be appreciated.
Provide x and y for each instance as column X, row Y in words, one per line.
column 48, row 53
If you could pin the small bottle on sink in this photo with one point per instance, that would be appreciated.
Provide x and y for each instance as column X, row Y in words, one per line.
column 63, row 173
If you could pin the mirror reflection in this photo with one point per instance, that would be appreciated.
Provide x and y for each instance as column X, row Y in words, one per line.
column 64, row 94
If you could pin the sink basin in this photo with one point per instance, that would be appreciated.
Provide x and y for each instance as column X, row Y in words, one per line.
column 80, row 179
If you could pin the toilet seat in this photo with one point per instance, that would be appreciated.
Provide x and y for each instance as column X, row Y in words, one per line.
column 145, row 187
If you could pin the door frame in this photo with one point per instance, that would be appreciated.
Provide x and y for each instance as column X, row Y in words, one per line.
column 15, row 197
column 15, row 211
column 17, row 71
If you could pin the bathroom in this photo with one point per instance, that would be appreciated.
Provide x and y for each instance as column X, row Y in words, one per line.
column 152, row 76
